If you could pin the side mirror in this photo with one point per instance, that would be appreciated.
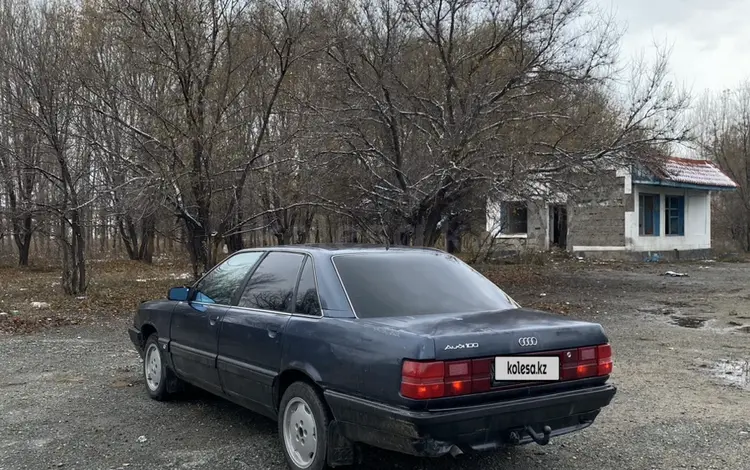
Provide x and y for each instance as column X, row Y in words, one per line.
column 179, row 294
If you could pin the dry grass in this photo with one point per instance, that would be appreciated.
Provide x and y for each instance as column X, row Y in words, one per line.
column 116, row 288
column 529, row 280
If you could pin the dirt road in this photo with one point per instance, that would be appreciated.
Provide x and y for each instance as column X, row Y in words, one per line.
column 73, row 398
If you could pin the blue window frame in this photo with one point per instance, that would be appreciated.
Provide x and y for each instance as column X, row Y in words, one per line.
column 674, row 217
column 648, row 223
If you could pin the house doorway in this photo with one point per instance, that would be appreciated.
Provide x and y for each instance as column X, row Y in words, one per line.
column 558, row 215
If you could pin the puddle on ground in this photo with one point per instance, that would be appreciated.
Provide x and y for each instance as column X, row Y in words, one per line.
column 735, row 373
column 688, row 322
column 658, row 311
column 676, row 303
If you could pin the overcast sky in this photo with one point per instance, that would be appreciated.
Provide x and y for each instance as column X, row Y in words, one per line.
column 710, row 39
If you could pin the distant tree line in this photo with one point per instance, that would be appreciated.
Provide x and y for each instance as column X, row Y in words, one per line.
column 222, row 123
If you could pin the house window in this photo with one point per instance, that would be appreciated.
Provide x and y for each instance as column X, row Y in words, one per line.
column 649, row 214
column 674, row 217
column 514, row 218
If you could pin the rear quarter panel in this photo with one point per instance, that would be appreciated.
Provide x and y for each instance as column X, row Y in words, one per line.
column 352, row 356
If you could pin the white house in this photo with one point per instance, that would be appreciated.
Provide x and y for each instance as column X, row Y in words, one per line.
column 664, row 208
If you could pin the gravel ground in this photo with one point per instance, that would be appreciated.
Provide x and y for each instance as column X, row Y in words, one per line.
column 73, row 397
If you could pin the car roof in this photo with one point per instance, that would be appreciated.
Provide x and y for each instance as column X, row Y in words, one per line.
column 330, row 249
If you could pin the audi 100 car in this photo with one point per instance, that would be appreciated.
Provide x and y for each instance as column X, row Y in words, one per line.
column 405, row 349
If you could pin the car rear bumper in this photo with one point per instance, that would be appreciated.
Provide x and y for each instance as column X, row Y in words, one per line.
column 467, row 429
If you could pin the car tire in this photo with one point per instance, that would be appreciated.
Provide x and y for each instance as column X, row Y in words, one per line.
column 155, row 373
column 303, row 427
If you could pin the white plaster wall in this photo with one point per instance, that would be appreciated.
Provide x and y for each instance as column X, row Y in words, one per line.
column 628, row 179
column 697, row 222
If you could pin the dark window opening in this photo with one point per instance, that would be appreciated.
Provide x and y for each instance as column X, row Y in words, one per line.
column 514, row 218
column 649, row 214
column 559, row 225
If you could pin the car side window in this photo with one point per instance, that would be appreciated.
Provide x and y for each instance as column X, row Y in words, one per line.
column 218, row 286
column 307, row 295
column 271, row 287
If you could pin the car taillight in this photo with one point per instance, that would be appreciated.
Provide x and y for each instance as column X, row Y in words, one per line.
column 438, row 379
column 422, row 380
column 457, row 378
column 425, row 380
column 604, row 358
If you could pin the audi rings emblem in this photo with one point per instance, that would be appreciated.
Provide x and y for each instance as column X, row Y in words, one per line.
column 528, row 341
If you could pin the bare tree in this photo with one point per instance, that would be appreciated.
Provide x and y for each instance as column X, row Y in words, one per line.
column 120, row 160
column 43, row 100
column 19, row 146
column 214, row 71
column 722, row 126
column 433, row 99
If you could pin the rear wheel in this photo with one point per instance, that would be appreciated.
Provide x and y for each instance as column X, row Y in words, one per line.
column 303, row 427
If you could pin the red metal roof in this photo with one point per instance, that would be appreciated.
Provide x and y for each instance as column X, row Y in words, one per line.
column 693, row 171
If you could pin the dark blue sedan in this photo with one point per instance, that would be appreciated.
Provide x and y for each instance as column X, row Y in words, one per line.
column 405, row 349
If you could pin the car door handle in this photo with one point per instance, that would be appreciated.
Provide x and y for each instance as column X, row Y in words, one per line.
column 272, row 331
column 212, row 319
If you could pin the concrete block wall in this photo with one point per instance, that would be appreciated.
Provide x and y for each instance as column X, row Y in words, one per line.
column 597, row 217
column 596, row 226
column 537, row 226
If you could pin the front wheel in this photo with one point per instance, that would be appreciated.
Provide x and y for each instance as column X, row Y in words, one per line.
column 303, row 427
column 155, row 369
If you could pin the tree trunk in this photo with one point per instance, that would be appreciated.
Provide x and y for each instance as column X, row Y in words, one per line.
column 22, row 236
column 283, row 237
column 127, row 235
column 452, row 239
column 234, row 240
column 79, row 253
column 24, row 247
column 424, row 226
column 73, row 254
column 307, row 224
column 65, row 248
column 329, row 227
column 148, row 231
column 201, row 255
column 104, row 232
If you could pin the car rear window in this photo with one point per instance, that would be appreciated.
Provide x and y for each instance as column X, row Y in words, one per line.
column 399, row 283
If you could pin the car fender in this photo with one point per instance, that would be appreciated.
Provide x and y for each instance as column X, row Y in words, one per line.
column 307, row 369
column 156, row 315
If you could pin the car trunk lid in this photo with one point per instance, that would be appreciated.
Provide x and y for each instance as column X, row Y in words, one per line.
column 504, row 332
